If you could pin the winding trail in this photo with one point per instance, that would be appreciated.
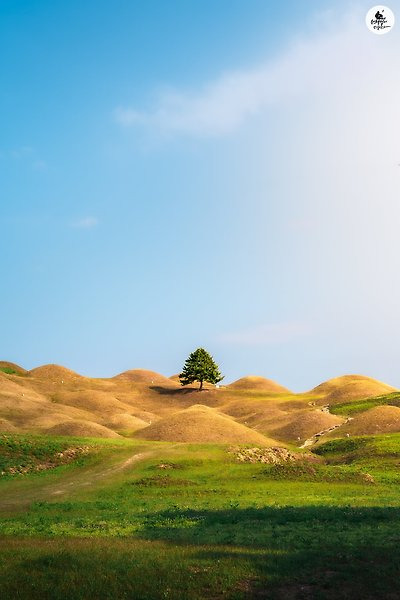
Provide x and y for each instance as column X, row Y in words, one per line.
column 317, row 436
column 21, row 493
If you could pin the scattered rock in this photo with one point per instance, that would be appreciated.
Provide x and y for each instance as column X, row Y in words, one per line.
column 368, row 478
column 60, row 458
column 272, row 456
column 168, row 466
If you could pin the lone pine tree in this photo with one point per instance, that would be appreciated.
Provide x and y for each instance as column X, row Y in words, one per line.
column 200, row 366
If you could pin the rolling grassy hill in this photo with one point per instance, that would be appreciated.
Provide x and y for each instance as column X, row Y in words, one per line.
column 360, row 405
column 348, row 388
column 160, row 503
column 53, row 399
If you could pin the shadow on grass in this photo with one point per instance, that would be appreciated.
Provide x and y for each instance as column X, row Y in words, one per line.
column 288, row 553
column 172, row 391
column 188, row 396
column 297, row 552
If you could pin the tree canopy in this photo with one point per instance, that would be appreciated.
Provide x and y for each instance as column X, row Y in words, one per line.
column 200, row 366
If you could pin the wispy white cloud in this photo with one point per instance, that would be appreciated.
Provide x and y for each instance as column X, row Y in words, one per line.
column 86, row 223
column 310, row 66
column 274, row 333
column 217, row 108
column 329, row 149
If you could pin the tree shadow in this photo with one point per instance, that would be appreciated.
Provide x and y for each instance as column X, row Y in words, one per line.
column 171, row 391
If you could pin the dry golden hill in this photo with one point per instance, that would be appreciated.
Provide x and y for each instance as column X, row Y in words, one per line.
column 30, row 410
column 258, row 414
column 291, row 421
column 149, row 404
column 199, row 424
column 6, row 426
column 18, row 403
column 258, row 384
column 53, row 398
column 4, row 364
column 93, row 400
column 304, row 425
column 349, row 387
column 143, row 376
column 125, row 403
column 139, row 413
column 51, row 415
column 54, row 372
column 263, row 413
column 381, row 419
column 15, row 386
column 82, row 429
column 51, row 395
column 292, row 405
column 175, row 378
column 47, row 419
column 125, row 422
column 250, row 410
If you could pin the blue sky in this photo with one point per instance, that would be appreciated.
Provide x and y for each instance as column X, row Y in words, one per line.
column 192, row 173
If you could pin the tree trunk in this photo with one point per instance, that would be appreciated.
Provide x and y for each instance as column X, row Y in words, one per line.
column 201, row 385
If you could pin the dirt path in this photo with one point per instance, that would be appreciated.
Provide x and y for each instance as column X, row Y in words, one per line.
column 317, row 436
column 21, row 493
column 96, row 476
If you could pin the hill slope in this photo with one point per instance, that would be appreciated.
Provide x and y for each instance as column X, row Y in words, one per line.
column 10, row 367
column 82, row 429
column 202, row 424
column 144, row 376
column 381, row 419
column 53, row 372
column 349, row 387
column 256, row 383
column 302, row 426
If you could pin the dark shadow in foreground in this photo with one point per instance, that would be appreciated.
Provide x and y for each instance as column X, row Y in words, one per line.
column 298, row 553
column 277, row 553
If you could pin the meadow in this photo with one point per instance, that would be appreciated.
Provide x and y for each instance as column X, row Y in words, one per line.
column 142, row 520
column 358, row 406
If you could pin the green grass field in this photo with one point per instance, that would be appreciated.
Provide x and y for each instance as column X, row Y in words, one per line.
column 358, row 406
column 165, row 520
column 8, row 371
